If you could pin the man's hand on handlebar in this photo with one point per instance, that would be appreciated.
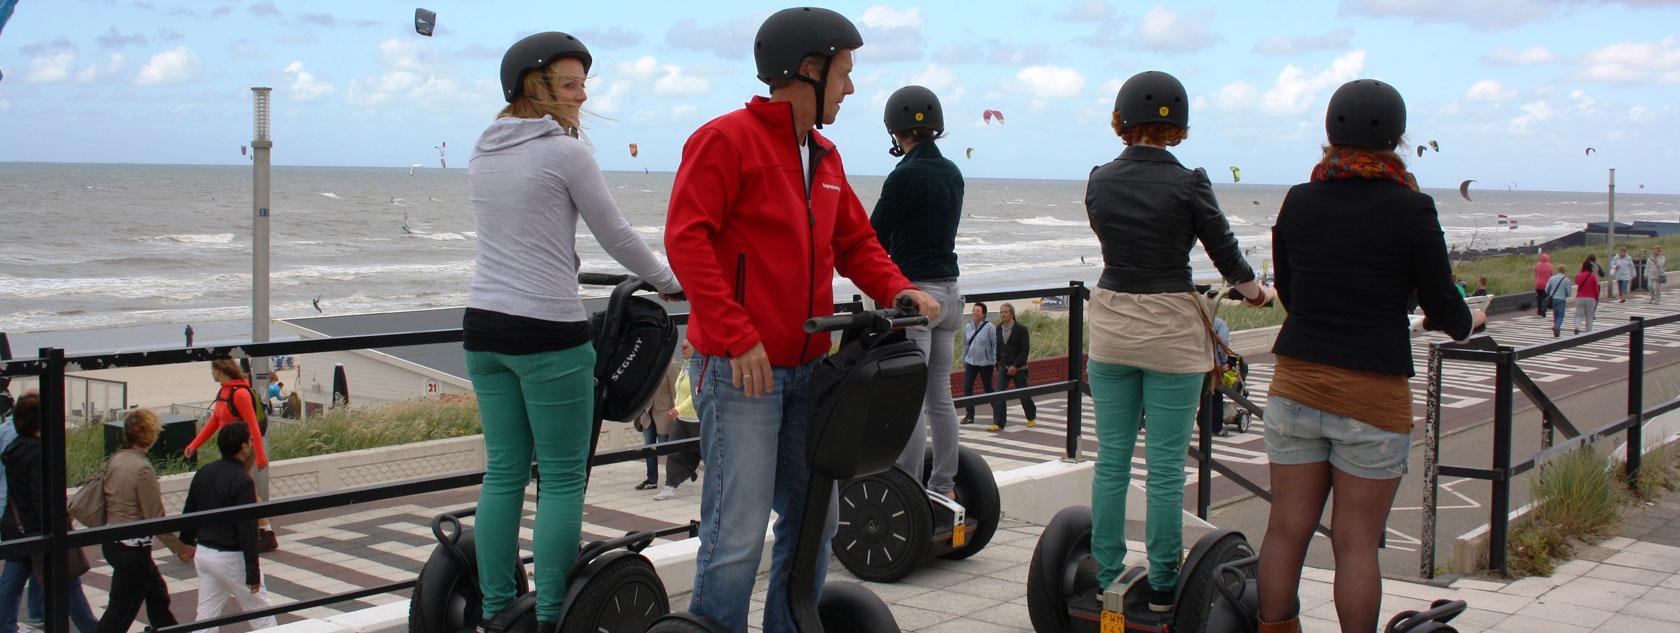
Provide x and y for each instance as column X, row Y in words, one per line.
column 752, row 372
column 1252, row 293
column 926, row 305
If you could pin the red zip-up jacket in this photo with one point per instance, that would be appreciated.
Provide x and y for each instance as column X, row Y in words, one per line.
column 755, row 253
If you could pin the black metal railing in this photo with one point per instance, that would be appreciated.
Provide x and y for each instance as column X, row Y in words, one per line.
column 50, row 366
column 1508, row 379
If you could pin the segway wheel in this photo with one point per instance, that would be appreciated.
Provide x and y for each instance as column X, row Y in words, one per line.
column 977, row 491
column 685, row 622
column 850, row 608
column 443, row 599
column 885, row 526
column 625, row 596
column 1061, row 568
column 1199, row 595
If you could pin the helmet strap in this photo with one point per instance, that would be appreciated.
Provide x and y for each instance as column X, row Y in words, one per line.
column 820, row 86
column 897, row 150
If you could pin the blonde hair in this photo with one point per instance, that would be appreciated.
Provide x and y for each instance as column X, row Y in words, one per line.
column 228, row 367
column 141, row 428
column 536, row 98
column 1152, row 133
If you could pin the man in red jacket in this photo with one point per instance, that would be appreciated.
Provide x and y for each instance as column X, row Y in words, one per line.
column 761, row 217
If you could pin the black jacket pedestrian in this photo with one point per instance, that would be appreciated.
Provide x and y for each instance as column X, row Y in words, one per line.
column 23, row 488
column 1146, row 250
column 916, row 217
column 1349, row 254
column 224, row 484
column 1014, row 352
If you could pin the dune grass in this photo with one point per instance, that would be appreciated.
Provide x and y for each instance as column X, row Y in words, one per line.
column 1577, row 497
column 1515, row 273
column 340, row 430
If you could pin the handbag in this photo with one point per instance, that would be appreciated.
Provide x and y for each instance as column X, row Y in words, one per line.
column 1214, row 377
column 88, row 504
column 77, row 562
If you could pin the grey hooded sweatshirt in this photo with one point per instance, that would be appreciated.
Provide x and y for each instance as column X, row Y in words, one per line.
column 529, row 183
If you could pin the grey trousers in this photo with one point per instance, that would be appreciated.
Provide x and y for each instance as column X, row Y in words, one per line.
column 939, row 416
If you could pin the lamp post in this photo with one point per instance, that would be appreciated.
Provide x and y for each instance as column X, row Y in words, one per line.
column 260, row 147
column 1610, row 238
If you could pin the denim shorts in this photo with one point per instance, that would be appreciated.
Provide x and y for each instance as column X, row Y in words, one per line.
column 1299, row 434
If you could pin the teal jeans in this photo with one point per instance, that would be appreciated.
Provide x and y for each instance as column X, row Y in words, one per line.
column 542, row 404
column 1120, row 393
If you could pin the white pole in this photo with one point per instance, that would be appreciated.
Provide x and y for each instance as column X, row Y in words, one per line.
column 260, row 148
column 1610, row 239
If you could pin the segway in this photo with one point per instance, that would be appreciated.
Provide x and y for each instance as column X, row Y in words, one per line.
column 611, row 587
column 866, row 399
column 1063, row 596
column 890, row 524
column 1236, row 607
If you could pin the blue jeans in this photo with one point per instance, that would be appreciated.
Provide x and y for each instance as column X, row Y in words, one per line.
column 1558, row 307
column 755, row 449
column 16, row 575
column 651, row 435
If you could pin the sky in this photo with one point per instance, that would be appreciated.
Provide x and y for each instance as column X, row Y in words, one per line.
column 1512, row 91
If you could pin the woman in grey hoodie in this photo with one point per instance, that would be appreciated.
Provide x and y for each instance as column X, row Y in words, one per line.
column 526, row 333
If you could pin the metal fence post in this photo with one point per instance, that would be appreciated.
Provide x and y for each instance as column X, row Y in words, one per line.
column 1431, row 459
column 1204, row 444
column 1636, row 399
column 1076, row 348
column 1499, row 510
column 55, row 521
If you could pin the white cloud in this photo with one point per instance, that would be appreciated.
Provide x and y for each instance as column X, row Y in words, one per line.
column 1531, row 56
column 402, row 54
column 1295, row 90
column 1657, row 62
column 609, row 102
column 1051, row 81
column 937, row 78
column 892, row 44
column 1480, row 14
column 880, row 17
column 1533, row 112
column 52, row 68
column 172, row 66
column 113, row 65
column 1583, row 103
column 1163, row 29
column 679, row 111
column 305, row 86
column 1334, row 40
column 1239, row 95
column 411, row 76
column 1491, row 91
column 643, row 68
column 1088, row 11
column 676, row 84
column 1638, row 114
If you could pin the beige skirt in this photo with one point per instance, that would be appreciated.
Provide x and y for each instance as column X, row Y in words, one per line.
column 1159, row 332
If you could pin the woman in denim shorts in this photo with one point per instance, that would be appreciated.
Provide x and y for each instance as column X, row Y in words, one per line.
column 1351, row 247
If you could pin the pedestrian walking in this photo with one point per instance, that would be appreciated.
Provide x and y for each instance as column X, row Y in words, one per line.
column 236, row 403
column 1656, row 273
column 225, row 554
column 1542, row 274
column 656, row 423
column 1621, row 268
column 1014, row 350
column 22, row 517
column 979, row 355
column 132, row 494
column 683, row 466
column 8, row 431
column 189, row 334
column 1558, row 290
column 1586, row 296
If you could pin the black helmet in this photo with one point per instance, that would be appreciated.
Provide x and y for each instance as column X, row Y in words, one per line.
column 1152, row 96
column 534, row 52
column 909, row 108
column 789, row 35
column 1366, row 113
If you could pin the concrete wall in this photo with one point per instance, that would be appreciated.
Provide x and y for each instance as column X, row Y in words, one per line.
column 373, row 376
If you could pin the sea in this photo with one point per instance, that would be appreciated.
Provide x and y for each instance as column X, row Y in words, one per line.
column 100, row 257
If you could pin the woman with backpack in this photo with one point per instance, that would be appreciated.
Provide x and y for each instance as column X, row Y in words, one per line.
column 235, row 402
column 533, row 182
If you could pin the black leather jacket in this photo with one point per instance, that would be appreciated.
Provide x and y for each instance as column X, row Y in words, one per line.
column 1148, row 211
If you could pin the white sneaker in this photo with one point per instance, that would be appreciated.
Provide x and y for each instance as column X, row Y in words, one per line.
column 668, row 492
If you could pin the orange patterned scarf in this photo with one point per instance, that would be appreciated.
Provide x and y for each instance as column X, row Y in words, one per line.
column 1348, row 162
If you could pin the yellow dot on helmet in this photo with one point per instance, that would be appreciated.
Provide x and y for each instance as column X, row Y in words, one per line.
column 919, row 116
column 1165, row 110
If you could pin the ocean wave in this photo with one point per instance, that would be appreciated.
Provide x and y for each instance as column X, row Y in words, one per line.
column 193, row 238
column 1045, row 220
column 441, row 237
column 330, row 194
column 649, row 230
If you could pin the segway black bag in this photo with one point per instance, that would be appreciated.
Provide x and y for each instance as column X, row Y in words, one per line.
column 634, row 341
column 865, row 401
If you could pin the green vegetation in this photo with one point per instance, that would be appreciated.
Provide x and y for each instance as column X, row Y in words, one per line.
column 1515, row 273
column 344, row 429
column 1578, row 496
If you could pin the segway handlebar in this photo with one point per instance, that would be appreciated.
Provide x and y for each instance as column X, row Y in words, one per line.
column 903, row 316
column 614, row 279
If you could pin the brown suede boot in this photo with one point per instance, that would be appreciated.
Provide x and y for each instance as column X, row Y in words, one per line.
column 1292, row 625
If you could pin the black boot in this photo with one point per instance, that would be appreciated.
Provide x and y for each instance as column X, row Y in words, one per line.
column 545, row 626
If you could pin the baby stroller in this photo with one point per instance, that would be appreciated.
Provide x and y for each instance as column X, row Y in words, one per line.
column 1234, row 378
